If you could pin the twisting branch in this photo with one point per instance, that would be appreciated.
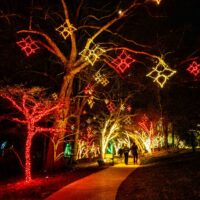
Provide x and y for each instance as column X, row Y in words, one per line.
column 57, row 51
column 13, row 102
column 73, row 53
column 115, row 34
column 103, row 28
column 78, row 9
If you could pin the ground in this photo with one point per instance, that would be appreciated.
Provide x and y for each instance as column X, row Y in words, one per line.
column 166, row 176
column 43, row 186
column 175, row 176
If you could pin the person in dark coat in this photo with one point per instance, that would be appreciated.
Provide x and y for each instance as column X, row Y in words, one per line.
column 134, row 150
column 120, row 152
column 126, row 152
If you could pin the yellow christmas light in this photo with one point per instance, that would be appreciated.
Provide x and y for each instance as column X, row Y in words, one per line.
column 91, row 101
column 161, row 73
column 122, row 107
column 157, row 1
column 66, row 30
column 92, row 55
column 101, row 79
column 128, row 120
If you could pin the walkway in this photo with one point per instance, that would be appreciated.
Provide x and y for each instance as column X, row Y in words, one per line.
column 102, row 185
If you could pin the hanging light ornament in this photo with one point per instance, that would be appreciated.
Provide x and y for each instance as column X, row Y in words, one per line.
column 122, row 107
column 110, row 105
column 122, row 62
column 89, row 89
column 28, row 45
column 92, row 55
column 157, row 1
column 91, row 101
column 128, row 108
column 194, row 68
column 128, row 120
column 65, row 30
column 161, row 73
column 101, row 79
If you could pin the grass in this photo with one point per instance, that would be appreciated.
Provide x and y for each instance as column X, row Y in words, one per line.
column 175, row 176
column 42, row 187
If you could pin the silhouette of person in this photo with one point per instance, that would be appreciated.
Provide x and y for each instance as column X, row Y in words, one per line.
column 126, row 152
column 134, row 150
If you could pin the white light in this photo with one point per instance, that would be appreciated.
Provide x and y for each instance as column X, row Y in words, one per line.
column 120, row 12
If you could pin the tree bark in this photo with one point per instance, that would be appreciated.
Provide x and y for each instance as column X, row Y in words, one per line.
column 60, row 124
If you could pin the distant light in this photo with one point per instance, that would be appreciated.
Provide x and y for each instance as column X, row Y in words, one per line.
column 120, row 12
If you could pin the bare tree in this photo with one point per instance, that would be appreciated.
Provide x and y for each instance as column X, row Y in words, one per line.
column 82, row 55
column 32, row 107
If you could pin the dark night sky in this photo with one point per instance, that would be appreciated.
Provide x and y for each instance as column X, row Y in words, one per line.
column 174, row 27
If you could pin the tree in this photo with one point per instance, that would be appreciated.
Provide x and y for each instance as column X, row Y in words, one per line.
column 32, row 107
column 88, row 51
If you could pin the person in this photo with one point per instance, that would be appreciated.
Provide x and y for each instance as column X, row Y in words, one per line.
column 126, row 152
column 134, row 150
column 120, row 152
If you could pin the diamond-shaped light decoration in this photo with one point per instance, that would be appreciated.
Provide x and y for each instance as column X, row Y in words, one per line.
column 101, row 79
column 111, row 106
column 128, row 120
column 28, row 45
column 89, row 89
column 194, row 68
column 92, row 55
column 91, row 101
column 161, row 73
column 122, row 62
column 129, row 108
column 122, row 107
column 65, row 30
column 157, row 1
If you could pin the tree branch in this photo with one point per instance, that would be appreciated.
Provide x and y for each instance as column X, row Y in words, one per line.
column 57, row 51
column 73, row 53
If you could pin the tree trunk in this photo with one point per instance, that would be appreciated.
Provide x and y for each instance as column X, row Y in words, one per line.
column 76, row 137
column 28, row 177
column 60, row 124
column 166, row 134
column 172, row 135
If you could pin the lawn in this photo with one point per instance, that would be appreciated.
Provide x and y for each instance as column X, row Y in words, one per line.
column 175, row 176
column 43, row 186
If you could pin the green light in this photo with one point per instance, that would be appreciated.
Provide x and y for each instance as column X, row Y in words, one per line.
column 68, row 150
column 110, row 148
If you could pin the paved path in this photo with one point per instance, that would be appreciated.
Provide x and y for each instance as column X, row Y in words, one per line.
column 102, row 185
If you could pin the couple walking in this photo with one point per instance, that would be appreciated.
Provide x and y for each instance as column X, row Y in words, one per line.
column 134, row 151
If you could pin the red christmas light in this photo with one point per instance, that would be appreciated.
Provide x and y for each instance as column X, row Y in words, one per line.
column 111, row 106
column 28, row 45
column 32, row 111
column 89, row 89
column 122, row 62
column 129, row 108
column 144, row 123
column 88, row 138
column 194, row 68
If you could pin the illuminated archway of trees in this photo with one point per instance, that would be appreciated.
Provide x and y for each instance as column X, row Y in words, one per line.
column 93, row 56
